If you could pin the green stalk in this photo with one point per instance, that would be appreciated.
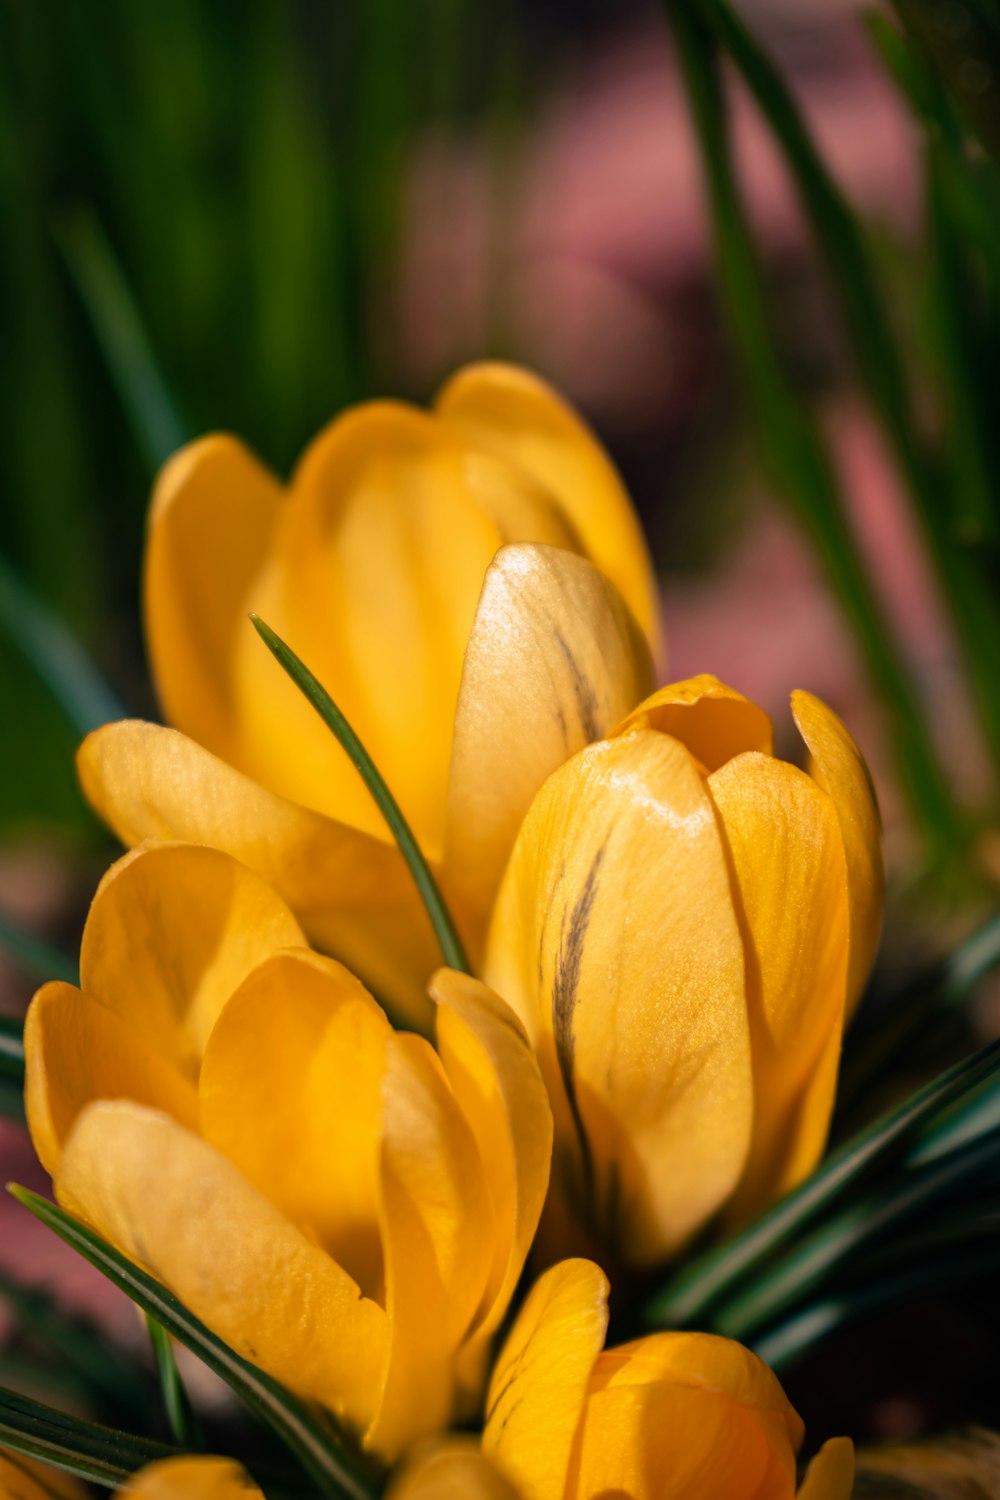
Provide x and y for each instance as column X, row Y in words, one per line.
column 791, row 447
column 104, row 1455
column 444, row 928
column 971, row 599
column 183, row 1422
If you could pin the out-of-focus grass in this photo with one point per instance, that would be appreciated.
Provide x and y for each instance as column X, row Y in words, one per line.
column 237, row 167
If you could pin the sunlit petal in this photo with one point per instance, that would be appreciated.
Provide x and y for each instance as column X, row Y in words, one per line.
column 788, row 866
column 193, row 1479
column 210, row 532
column 352, row 893
column 830, row 1476
column 455, row 1469
column 172, row 1203
column 553, row 662
column 172, row 931
column 714, row 721
column 615, row 940
column 511, row 412
column 539, row 1383
column 838, row 766
column 76, row 1051
column 437, row 1238
column 291, row 1092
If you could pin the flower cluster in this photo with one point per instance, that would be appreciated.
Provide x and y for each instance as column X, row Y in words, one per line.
column 669, row 925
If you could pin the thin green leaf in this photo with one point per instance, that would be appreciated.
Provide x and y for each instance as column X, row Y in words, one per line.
column 791, row 447
column 783, row 1345
column 303, row 1429
column 967, row 57
column 807, row 1267
column 103, row 1455
column 56, row 656
column 36, row 956
column 143, row 392
column 703, row 1283
column 183, row 1422
column 430, row 894
column 11, row 1068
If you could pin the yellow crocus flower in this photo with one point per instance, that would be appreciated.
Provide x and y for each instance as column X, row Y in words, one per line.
column 684, row 926
column 674, row 1416
column 469, row 583
column 345, row 1206
column 207, row 1478
column 25, row 1479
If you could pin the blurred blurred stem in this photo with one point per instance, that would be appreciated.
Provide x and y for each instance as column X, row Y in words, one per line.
column 963, row 45
column 11, row 1069
column 973, row 604
column 156, row 426
column 56, row 655
column 792, row 450
column 36, row 957
column 183, row 1422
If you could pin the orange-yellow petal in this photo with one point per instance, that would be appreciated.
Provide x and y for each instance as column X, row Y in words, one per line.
column 540, row 1379
column 437, row 1239
column 383, row 548
column 193, row 1479
column 492, row 1070
column 210, row 531
column 24, row 1479
column 830, row 1476
column 714, row 721
column 454, row 1469
column 172, row 931
column 352, row 893
column 553, row 662
column 788, row 870
column 514, row 414
column 291, row 1093
column 838, row 766
column 172, row 1203
column 76, row 1051
column 615, row 940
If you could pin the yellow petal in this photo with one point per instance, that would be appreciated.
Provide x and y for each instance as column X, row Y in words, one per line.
column 210, row 529
column 539, row 1382
column 77, row 1051
column 514, row 414
column 669, row 1434
column 437, row 1239
column 23, row 1479
column 838, row 766
column 383, row 547
column 830, row 1476
column 352, row 893
column 615, row 940
column 172, row 931
column 291, row 1092
column 492, row 1070
column 553, row 662
column 455, row 1469
column 170, row 1202
column 192, row 1479
column 714, row 721
column 788, row 867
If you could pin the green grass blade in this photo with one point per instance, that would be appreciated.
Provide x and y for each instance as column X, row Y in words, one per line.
column 183, row 1422
column 786, row 1343
column 966, row 55
column 971, row 598
column 710, row 1278
column 302, row 1428
column 56, row 656
column 35, row 956
column 804, row 1270
column 791, row 447
column 103, row 1455
column 11, row 1068
column 430, row 894
column 143, row 392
